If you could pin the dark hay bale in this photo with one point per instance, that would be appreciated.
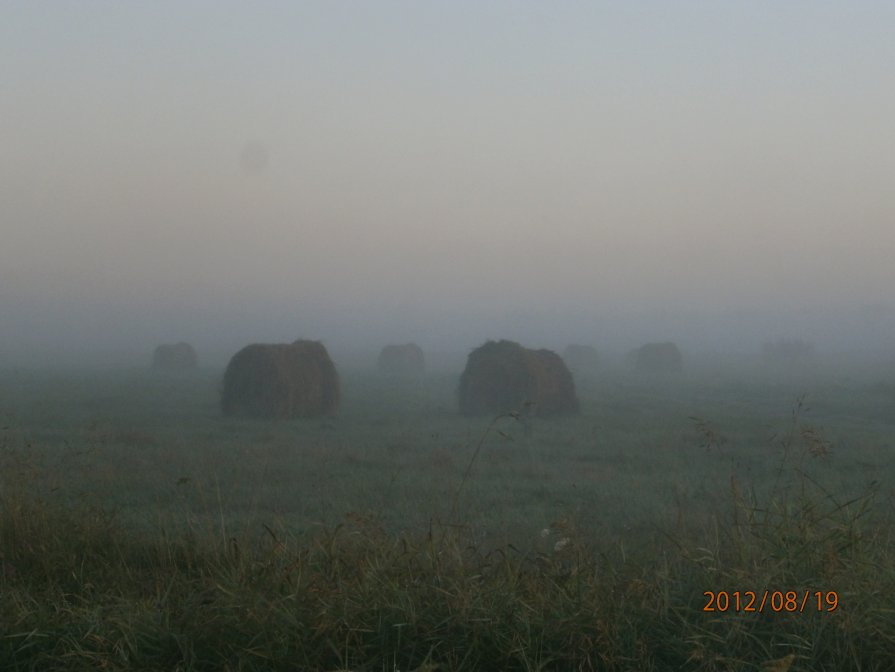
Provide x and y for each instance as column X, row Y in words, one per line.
column 405, row 359
column 581, row 358
column 657, row 358
column 175, row 357
column 794, row 352
column 281, row 381
column 502, row 376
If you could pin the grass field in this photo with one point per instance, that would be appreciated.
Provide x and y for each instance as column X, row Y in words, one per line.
column 142, row 530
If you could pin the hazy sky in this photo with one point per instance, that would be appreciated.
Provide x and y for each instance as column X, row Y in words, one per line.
column 225, row 172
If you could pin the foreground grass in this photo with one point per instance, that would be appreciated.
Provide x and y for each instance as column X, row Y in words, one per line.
column 79, row 592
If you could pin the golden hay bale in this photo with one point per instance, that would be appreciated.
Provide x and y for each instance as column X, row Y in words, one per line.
column 175, row 357
column 581, row 358
column 502, row 376
column 404, row 359
column 657, row 357
column 281, row 381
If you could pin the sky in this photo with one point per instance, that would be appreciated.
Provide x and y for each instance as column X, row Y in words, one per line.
column 446, row 172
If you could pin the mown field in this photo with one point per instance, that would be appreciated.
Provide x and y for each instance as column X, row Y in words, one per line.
column 139, row 529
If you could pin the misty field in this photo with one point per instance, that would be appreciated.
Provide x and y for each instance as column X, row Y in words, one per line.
column 142, row 530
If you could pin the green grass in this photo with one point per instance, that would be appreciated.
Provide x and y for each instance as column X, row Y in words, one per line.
column 141, row 530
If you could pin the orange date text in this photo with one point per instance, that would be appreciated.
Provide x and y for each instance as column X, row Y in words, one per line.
column 770, row 600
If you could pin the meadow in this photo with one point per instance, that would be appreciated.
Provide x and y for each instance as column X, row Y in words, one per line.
column 140, row 529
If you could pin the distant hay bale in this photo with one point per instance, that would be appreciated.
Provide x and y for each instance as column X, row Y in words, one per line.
column 175, row 357
column 404, row 359
column 581, row 358
column 788, row 351
column 657, row 358
column 281, row 380
column 502, row 376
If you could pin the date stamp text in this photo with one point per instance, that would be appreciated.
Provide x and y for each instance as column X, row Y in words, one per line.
column 770, row 600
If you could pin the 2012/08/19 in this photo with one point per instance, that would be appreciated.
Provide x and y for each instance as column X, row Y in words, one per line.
column 771, row 600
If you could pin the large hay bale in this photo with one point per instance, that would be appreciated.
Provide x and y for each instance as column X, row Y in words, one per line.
column 581, row 358
column 281, row 381
column 404, row 359
column 657, row 358
column 175, row 357
column 502, row 376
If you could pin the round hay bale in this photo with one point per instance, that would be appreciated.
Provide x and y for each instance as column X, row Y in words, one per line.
column 503, row 376
column 281, row 380
column 581, row 358
column 788, row 352
column 175, row 357
column 657, row 358
column 404, row 359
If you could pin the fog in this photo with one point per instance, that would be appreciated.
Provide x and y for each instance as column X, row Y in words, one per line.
column 718, row 174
